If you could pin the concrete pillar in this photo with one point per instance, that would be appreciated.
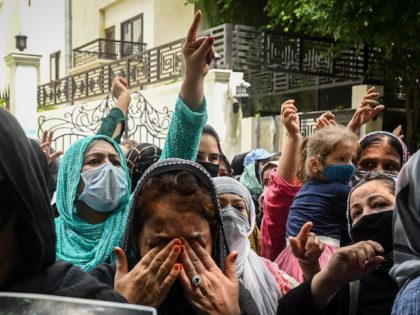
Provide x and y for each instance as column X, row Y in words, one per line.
column 216, row 88
column 23, row 80
column 249, row 134
column 358, row 92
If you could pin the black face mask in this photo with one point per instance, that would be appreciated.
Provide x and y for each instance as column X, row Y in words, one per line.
column 213, row 169
column 376, row 227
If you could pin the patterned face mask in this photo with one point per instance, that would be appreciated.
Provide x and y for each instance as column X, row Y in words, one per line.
column 339, row 173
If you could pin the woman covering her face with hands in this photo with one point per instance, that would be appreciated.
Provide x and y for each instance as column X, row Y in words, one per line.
column 174, row 250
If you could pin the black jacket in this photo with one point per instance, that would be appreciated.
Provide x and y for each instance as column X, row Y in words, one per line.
column 176, row 303
column 23, row 187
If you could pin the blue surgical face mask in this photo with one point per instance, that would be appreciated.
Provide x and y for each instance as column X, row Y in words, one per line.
column 105, row 186
column 339, row 173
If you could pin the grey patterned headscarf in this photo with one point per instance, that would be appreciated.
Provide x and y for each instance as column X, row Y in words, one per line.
column 228, row 185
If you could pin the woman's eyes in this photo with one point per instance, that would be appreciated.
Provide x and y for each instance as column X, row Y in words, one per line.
column 214, row 159
column 355, row 214
column 380, row 205
column 116, row 163
column 97, row 161
column 390, row 167
column 368, row 165
column 93, row 162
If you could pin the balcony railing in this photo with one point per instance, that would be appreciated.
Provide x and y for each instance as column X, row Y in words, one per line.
column 273, row 62
column 105, row 49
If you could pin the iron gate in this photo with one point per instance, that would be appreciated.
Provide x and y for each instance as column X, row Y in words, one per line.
column 145, row 123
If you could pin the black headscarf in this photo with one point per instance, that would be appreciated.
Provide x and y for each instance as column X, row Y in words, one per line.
column 139, row 158
column 238, row 164
column 176, row 303
column 24, row 180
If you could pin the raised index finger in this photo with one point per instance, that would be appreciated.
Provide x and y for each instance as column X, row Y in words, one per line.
column 192, row 32
column 303, row 234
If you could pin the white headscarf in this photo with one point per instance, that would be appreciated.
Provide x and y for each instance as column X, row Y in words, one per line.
column 250, row 267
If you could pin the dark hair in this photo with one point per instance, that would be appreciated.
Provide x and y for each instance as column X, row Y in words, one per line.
column 139, row 158
column 376, row 138
column 225, row 160
column 238, row 163
column 209, row 130
column 182, row 190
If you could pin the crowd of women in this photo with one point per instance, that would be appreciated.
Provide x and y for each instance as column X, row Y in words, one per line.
column 326, row 227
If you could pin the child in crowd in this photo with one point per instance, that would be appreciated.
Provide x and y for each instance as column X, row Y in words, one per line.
column 322, row 199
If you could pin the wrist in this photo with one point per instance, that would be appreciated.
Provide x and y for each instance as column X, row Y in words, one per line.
column 352, row 126
column 124, row 101
column 193, row 75
column 124, row 96
column 330, row 281
column 294, row 135
column 323, row 289
column 309, row 268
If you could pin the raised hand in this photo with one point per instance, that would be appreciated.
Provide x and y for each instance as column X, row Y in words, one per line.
column 347, row 264
column 121, row 92
column 305, row 246
column 354, row 262
column 398, row 131
column 198, row 54
column 307, row 249
column 217, row 292
column 148, row 283
column 368, row 109
column 46, row 147
column 289, row 117
column 326, row 119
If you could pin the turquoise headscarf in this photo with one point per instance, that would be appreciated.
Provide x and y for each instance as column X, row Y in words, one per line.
column 78, row 242
column 249, row 179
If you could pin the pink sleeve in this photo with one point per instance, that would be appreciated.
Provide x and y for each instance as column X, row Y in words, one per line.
column 284, row 281
column 277, row 202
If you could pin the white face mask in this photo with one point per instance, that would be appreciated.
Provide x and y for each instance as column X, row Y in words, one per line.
column 237, row 229
column 105, row 186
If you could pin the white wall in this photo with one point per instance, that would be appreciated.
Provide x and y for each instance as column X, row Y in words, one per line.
column 124, row 10
column 43, row 23
column 86, row 22
column 9, row 24
column 172, row 20
column 163, row 20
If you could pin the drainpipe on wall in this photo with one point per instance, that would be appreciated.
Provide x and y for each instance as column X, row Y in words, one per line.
column 68, row 36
